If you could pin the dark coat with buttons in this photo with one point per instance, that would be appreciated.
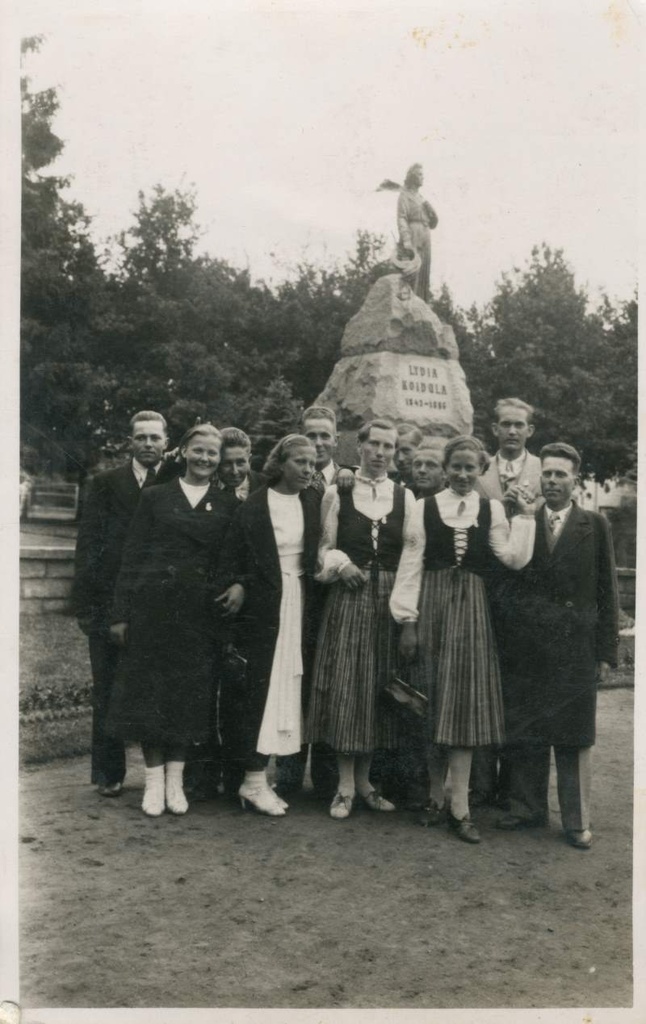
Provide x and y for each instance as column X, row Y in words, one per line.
column 558, row 620
column 165, row 592
column 110, row 504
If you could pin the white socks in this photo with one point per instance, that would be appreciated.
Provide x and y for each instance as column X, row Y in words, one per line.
column 256, row 780
column 346, row 774
column 362, row 774
column 161, row 793
column 460, row 768
column 176, row 802
column 153, row 802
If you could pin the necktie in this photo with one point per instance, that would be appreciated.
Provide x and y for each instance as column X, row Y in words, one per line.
column 318, row 482
column 553, row 520
column 151, row 476
column 461, row 507
column 507, row 476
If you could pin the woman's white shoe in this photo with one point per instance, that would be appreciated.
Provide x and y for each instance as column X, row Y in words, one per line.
column 176, row 801
column 262, row 798
column 153, row 803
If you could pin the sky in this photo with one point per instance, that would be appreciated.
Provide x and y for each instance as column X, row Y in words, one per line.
column 285, row 118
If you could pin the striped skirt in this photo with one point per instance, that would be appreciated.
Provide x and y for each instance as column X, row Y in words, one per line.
column 457, row 663
column 356, row 653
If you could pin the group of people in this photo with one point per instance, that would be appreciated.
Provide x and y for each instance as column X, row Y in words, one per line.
column 235, row 615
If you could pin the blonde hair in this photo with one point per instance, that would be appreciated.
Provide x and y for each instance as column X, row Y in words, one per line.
column 273, row 468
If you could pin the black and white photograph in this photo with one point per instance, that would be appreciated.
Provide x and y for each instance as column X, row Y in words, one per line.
column 320, row 342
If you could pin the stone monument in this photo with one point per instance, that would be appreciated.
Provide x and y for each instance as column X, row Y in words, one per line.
column 398, row 360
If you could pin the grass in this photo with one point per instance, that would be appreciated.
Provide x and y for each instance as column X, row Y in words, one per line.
column 54, row 662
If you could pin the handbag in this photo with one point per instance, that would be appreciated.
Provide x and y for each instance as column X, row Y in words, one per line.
column 405, row 698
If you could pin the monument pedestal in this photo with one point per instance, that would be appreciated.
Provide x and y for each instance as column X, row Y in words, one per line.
column 399, row 361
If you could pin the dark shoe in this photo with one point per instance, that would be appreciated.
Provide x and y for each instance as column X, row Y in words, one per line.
column 515, row 822
column 463, row 828
column 432, row 815
column 110, row 789
column 580, row 840
column 477, row 798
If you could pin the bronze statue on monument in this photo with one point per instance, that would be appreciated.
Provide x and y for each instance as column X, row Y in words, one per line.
column 416, row 218
column 397, row 359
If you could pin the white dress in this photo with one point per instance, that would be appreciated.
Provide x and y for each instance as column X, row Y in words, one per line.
column 281, row 728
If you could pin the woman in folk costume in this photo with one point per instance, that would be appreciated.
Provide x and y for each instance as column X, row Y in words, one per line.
column 440, row 599
column 269, row 572
column 363, row 535
column 163, row 618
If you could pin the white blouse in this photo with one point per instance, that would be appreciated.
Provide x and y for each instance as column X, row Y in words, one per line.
column 512, row 543
column 194, row 492
column 287, row 520
column 373, row 499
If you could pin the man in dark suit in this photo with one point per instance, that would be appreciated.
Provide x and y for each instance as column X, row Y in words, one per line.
column 561, row 640
column 318, row 424
column 110, row 505
column 234, row 472
column 219, row 760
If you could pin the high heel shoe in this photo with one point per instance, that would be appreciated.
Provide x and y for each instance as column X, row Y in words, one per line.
column 263, row 799
column 283, row 803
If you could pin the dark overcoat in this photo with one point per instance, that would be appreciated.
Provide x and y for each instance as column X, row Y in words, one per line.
column 165, row 592
column 251, row 559
column 110, row 504
column 558, row 619
column 109, row 507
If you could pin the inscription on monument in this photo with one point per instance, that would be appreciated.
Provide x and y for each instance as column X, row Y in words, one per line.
column 424, row 383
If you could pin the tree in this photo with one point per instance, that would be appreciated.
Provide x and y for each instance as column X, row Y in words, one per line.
column 278, row 414
column 63, row 390
column 313, row 308
column 538, row 340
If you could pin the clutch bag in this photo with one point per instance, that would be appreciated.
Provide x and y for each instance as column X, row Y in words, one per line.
column 406, row 697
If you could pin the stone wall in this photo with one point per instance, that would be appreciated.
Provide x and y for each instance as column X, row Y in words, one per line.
column 46, row 575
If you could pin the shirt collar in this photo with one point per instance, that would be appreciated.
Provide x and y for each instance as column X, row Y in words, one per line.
column 328, row 472
column 369, row 480
column 453, row 499
column 241, row 491
column 516, row 464
column 141, row 472
column 562, row 513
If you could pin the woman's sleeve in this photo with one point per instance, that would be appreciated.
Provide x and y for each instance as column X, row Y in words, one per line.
column 402, row 221
column 330, row 559
column 234, row 564
column 511, row 542
column 405, row 596
column 137, row 551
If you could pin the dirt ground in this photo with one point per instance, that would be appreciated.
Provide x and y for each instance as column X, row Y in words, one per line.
column 225, row 909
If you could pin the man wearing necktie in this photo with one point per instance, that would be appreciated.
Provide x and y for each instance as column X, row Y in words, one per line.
column 318, row 424
column 561, row 630
column 111, row 501
column 511, row 469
